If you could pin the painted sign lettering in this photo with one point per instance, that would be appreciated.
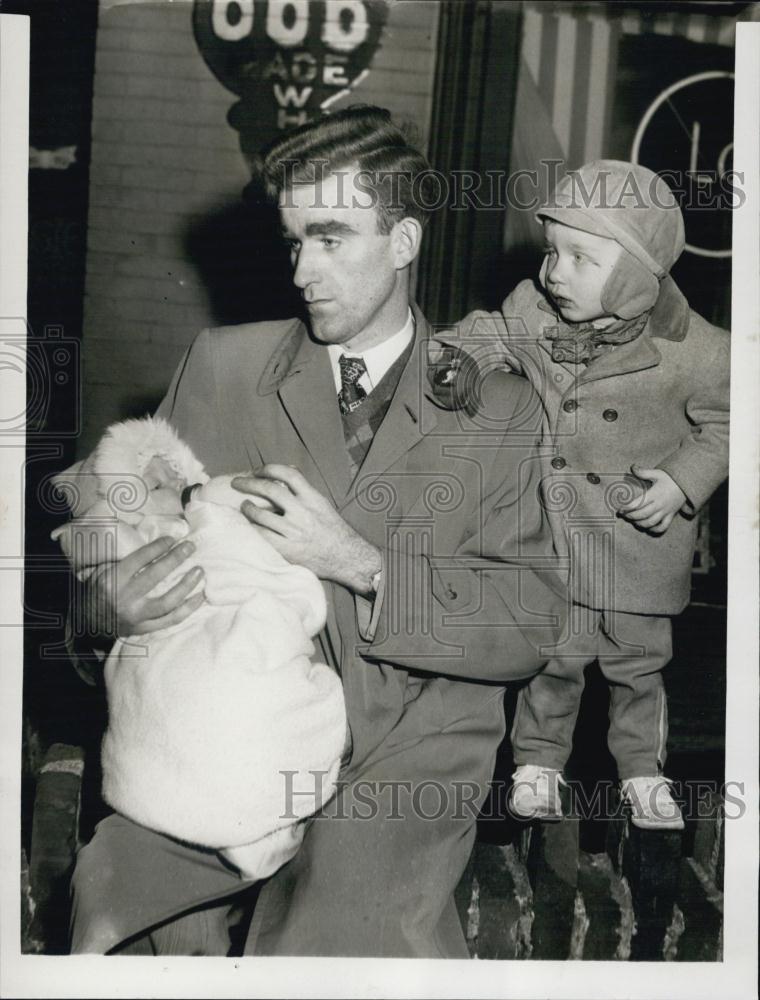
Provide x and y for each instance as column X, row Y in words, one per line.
column 287, row 60
column 686, row 135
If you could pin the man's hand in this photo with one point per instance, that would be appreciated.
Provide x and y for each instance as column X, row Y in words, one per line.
column 659, row 504
column 307, row 530
column 116, row 595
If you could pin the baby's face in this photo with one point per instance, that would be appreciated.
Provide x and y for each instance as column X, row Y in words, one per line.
column 577, row 267
column 164, row 488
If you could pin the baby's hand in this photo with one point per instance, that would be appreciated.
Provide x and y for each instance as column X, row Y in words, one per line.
column 658, row 505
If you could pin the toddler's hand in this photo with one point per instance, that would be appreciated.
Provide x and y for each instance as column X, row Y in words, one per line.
column 658, row 505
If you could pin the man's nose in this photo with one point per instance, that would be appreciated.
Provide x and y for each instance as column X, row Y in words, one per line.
column 305, row 272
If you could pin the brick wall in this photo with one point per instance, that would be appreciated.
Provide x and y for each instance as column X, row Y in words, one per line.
column 164, row 159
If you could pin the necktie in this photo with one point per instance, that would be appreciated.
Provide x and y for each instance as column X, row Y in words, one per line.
column 351, row 393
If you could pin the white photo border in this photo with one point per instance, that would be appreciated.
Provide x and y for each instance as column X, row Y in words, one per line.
column 735, row 978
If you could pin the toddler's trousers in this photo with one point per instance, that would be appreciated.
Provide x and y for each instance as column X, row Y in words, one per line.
column 632, row 651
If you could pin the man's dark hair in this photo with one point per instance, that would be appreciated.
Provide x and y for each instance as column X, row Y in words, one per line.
column 392, row 170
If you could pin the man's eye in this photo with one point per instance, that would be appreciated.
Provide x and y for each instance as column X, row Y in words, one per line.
column 550, row 251
column 579, row 258
column 330, row 242
column 293, row 246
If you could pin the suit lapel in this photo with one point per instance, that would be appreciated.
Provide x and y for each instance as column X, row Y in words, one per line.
column 411, row 414
column 299, row 371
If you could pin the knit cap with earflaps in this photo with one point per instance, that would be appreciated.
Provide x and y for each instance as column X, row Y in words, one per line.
column 633, row 206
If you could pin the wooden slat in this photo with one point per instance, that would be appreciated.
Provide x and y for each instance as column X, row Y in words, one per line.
column 504, row 903
column 702, row 918
column 607, row 907
column 651, row 861
column 708, row 849
column 55, row 832
column 552, row 863
column 31, row 944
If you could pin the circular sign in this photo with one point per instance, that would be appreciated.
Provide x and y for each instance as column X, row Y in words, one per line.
column 287, row 60
column 686, row 136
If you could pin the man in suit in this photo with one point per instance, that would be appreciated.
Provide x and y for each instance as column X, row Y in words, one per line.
column 419, row 512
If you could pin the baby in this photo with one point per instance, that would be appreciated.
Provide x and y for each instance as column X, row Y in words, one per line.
column 635, row 390
column 222, row 732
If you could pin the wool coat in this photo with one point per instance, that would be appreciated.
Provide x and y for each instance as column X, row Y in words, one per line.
column 659, row 401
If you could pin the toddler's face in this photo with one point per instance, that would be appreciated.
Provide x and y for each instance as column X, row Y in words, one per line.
column 577, row 267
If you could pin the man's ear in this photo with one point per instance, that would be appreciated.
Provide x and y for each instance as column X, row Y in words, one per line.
column 406, row 237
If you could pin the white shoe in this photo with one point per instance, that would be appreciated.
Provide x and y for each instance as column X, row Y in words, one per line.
column 535, row 792
column 652, row 805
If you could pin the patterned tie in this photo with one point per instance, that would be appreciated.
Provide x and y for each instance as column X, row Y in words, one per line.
column 351, row 393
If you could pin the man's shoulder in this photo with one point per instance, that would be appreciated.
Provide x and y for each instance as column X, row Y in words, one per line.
column 245, row 347
column 519, row 313
column 252, row 335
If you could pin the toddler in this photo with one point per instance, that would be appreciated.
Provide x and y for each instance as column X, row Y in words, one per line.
column 635, row 391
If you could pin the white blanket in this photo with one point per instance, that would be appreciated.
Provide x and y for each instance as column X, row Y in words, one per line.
column 222, row 732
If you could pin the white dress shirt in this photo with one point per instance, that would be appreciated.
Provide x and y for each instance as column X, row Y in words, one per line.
column 378, row 359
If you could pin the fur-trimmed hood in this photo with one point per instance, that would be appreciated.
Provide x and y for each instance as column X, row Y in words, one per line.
column 127, row 447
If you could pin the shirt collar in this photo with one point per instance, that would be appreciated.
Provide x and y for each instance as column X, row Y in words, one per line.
column 378, row 359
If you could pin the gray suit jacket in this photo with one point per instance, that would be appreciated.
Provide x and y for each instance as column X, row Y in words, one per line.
column 470, row 600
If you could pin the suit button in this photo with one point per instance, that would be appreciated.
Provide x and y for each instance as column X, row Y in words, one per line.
column 452, row 593
column 570, row 406
column 610, row 415
column 558, row 463
column 593, row 478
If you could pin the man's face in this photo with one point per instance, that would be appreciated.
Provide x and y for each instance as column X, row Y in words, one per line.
column 350, row 274
column 577, row 267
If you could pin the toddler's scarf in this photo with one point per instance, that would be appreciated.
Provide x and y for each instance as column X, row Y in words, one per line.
column 581, row 343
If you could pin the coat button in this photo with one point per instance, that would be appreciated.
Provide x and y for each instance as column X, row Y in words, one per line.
column 569, row 406
column 452, row 593
column 610, row 415
column 558, row 463
column 593, row 478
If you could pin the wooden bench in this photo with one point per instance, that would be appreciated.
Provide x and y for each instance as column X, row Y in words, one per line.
column 46, row 876
column 648, row 896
